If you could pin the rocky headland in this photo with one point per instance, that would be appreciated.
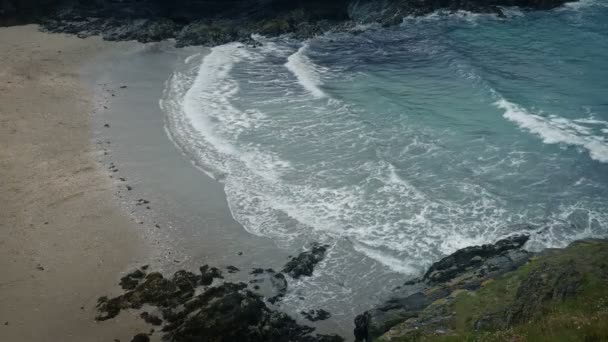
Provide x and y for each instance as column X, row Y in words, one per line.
column 206, row 22
column 500, row 292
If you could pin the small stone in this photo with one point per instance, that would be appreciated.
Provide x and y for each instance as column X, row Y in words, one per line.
column 106, row 125
column 40, row 268
column 129, row 188
column 123, row 86
column 240, row 253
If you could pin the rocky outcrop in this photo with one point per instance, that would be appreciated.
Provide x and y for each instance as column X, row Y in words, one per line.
column 465, row 269
column 500, row 292
column 193, row 311
column 209, row 22
column 305, row 262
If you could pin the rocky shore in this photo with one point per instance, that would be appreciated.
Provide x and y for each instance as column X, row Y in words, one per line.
column 205, row 22
column 201, row 306
column 493, row 292
column 500, row 292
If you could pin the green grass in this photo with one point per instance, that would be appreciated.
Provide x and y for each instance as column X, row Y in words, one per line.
column 583, row 317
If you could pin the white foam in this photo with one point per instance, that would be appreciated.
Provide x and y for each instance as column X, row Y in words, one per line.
column 556, row 130
column 394, row 264
column 305, row 71
column 581, row 4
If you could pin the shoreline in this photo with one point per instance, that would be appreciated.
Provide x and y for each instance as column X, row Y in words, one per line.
column 189, row 222
column 65, row 241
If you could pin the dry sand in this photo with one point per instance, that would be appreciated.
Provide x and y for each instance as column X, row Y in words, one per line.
column 63, row 240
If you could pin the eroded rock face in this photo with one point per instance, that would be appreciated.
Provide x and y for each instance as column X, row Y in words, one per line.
column 465, row 269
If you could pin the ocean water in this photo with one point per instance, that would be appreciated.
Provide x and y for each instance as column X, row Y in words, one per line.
column 396, row 146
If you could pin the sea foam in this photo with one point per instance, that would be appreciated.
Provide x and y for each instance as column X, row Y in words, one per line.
column 557, row 130
column 306, row 71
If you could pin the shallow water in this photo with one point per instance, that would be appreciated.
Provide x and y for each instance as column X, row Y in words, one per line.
column 397, row 146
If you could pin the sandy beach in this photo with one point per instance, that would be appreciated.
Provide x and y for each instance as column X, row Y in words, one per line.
column 63, row 240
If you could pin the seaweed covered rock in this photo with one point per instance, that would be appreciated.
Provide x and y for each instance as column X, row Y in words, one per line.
column 305, row 262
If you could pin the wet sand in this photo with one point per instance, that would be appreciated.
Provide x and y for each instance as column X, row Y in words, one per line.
column 64, row 241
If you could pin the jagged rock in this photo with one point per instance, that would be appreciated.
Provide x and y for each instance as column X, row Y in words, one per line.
column 304, row 263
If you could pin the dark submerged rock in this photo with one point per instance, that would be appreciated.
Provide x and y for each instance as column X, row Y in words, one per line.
column 316, row 315
column 304, row 263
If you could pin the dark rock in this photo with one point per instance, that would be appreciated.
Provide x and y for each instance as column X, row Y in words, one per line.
column 279, row 284
column 316, row 315
column 209, row 273
column 205, row 22
column 140, row 338
column 227, row 312
column 304, row 263
column 257, row 271
column 150, row 318
column 131, row 280
column 232, row 269
column 465, row 269
column 463, row 259
column 106, row 125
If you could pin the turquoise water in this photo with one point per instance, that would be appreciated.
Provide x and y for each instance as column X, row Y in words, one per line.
column 399, row 145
